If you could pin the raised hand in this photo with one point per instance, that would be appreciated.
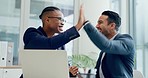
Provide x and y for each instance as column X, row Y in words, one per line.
column 81, row 18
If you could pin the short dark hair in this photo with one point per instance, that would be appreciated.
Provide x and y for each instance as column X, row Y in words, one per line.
column 113, row 17
column 49, row 8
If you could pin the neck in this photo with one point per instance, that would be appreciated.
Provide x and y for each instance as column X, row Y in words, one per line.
column 48, row 32
column 111, row 35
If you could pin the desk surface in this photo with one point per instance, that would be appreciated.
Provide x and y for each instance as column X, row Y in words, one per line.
column 10, row 67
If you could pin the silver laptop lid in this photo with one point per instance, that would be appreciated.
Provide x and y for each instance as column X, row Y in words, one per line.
column 44, row 63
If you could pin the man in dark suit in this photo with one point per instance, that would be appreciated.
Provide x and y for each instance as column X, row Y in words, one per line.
column 116, row 59
column 44, row 37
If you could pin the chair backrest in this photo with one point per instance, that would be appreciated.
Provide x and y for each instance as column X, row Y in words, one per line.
column 137, row 74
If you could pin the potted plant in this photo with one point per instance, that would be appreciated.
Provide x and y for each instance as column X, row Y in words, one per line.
column 83, row 61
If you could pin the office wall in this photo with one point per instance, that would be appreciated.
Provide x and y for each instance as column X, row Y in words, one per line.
column 93, row 9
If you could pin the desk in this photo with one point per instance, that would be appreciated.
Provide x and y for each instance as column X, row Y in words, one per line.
column 10, row 72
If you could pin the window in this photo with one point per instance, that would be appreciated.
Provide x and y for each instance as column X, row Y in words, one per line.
column 140, row 28
column 9, row 25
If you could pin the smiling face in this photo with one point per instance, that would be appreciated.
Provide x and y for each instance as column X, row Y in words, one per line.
column 104, row 27
column 54, row 21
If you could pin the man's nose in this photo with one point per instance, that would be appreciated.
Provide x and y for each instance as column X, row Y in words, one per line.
column 97, row 26
column 62, row 23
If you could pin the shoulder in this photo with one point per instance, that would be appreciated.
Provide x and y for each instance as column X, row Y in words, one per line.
column 127, row 41
column 123, row 36
column 30, row 33
column 31, row 29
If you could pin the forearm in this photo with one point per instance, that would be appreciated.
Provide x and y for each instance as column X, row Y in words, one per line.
column 95, row 36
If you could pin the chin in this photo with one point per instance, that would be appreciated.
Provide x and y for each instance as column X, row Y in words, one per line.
column 59, row 32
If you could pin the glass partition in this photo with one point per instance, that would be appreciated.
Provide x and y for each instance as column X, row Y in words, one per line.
column 141, row 28
column 9, row 25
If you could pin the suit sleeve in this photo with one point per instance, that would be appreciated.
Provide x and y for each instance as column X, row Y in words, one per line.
column 34, row 40
column 123, row 45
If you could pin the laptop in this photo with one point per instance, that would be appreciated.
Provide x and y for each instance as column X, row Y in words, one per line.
column 44, row 63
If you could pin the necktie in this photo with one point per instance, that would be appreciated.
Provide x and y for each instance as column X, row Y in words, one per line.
column 98, row 64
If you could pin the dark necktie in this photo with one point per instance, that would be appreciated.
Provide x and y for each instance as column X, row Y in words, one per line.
column 98, row 64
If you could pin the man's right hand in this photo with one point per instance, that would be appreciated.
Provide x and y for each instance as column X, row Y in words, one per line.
column 73, row 70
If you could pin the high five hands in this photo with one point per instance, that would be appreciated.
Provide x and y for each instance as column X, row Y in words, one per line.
column 81, row 19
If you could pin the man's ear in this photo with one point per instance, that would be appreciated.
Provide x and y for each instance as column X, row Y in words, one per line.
column 113, row 25
column 47, row 20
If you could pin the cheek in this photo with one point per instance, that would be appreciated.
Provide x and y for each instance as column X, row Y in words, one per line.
column 56, row 22
column 102, row 26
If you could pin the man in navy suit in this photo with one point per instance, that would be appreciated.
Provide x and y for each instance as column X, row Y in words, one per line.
column 116, row 59
column 44, row 37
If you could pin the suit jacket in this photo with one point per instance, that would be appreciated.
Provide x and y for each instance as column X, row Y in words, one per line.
column 118, row 61
column 37, row 39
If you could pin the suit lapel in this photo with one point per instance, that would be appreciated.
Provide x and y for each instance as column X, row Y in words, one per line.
column 99, row 60
column 117, row 36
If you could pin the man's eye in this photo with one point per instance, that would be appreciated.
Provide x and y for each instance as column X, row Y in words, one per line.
column 99, row 22
column 59, row 18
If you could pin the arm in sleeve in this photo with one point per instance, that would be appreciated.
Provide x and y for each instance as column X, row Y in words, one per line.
column 123, row 45
column 35, row 40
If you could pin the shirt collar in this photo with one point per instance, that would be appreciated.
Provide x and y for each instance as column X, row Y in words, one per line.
column 114, row 36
